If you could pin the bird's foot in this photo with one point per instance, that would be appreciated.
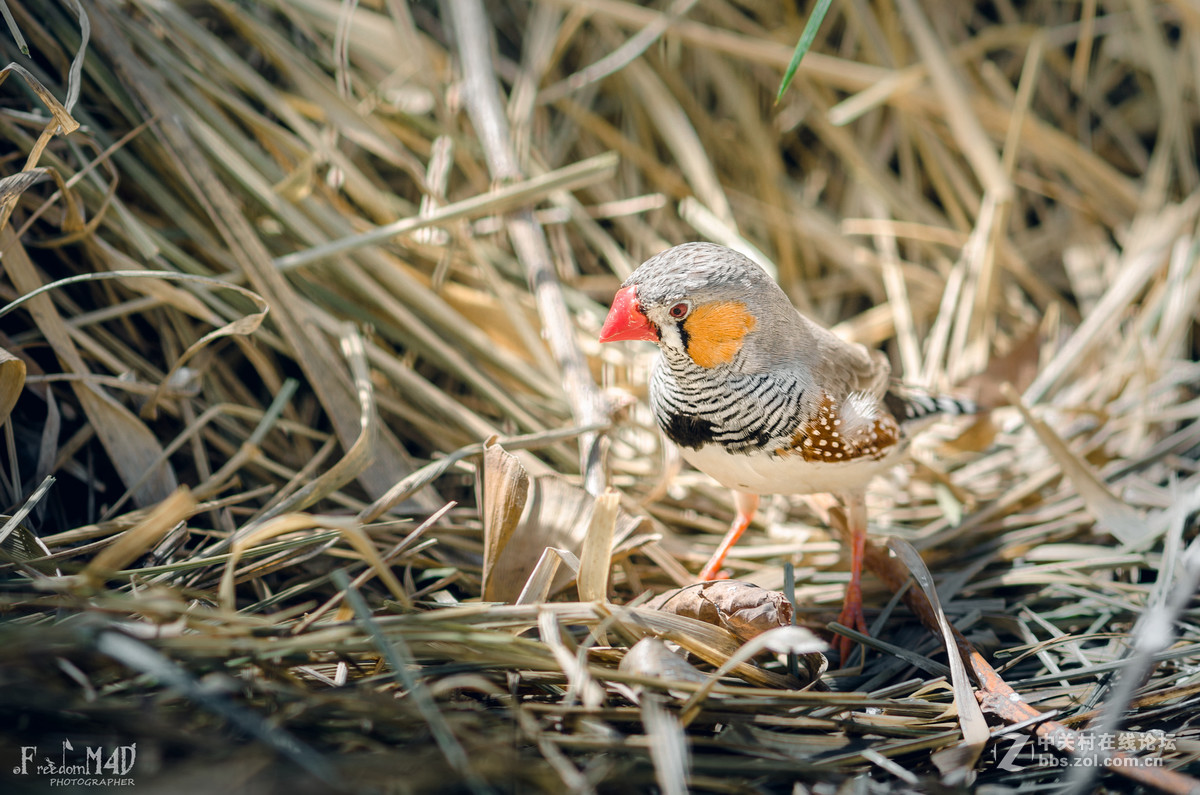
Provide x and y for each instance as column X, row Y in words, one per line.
column 852, row 617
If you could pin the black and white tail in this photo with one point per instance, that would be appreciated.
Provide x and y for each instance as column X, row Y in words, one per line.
column 914, row 407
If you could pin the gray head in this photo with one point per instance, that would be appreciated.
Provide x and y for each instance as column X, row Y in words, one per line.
column 704, row 301
column 698, row 272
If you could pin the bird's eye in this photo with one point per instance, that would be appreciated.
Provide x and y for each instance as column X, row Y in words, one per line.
column 679, row 310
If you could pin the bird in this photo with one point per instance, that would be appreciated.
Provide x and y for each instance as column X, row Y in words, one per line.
column 763, row 399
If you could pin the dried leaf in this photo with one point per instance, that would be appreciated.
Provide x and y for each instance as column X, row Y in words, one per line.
column 595, row 557
column 958, row 762
column 651, row 658
column 537, row 588
column 12, row 381
column 558, row 516
column 743, row 608
column 505, row 486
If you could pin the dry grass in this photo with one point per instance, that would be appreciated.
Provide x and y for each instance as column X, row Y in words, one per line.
column 255, row 525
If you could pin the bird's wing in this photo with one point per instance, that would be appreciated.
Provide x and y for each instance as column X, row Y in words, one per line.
column 844, row 368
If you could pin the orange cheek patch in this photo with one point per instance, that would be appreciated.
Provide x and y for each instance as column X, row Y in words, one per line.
column 715, row 332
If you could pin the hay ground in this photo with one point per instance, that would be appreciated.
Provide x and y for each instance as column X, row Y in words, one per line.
column 307, row 257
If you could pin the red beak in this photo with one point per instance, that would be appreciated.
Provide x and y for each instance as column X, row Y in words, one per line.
column 625, row 320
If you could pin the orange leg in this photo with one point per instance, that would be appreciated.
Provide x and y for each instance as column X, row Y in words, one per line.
column 746, row 505
column 852, row 610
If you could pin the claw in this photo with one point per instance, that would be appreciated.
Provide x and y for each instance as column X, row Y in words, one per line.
column 851, row 616
column 852, row 612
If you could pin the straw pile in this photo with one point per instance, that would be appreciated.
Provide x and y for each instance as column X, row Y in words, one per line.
column 306, row 444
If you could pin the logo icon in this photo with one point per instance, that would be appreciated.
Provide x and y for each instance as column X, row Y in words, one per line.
column 89, row 765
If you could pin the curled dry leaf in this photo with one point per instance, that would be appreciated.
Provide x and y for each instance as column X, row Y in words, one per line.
column 743, row 608
column 505, row 487
column 523, row 517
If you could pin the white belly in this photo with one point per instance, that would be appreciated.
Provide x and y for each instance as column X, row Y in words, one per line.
column 764, row 473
